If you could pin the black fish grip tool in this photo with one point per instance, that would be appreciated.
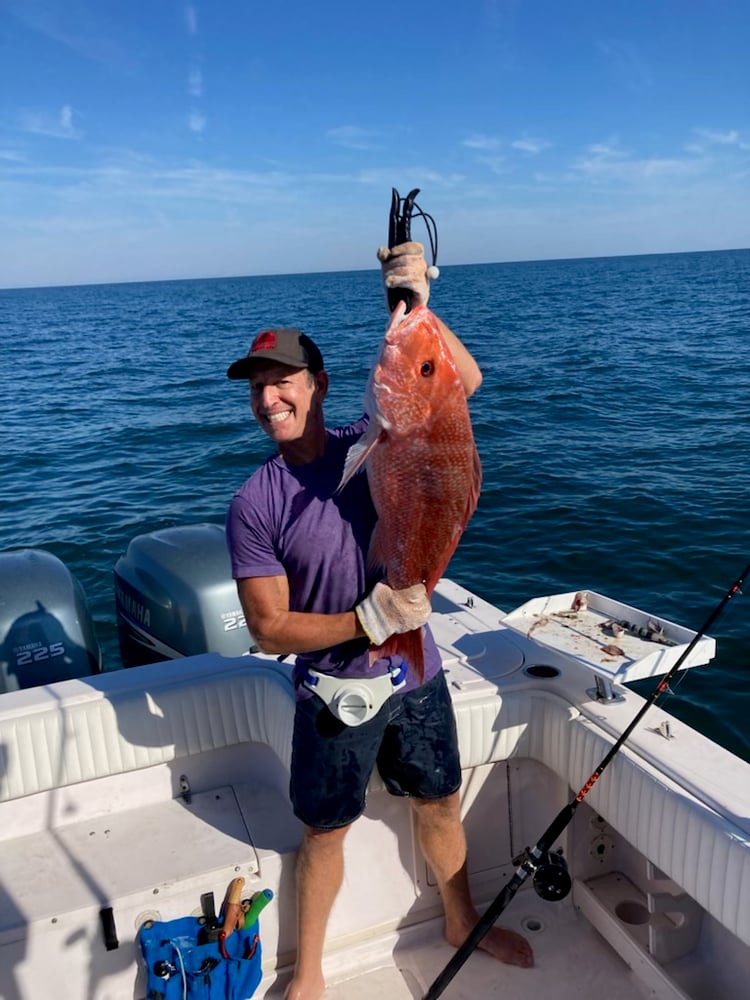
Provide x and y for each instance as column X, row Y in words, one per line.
column 399, row 231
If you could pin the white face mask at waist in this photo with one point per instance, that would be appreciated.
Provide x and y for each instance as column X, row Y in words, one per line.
column 354, row 700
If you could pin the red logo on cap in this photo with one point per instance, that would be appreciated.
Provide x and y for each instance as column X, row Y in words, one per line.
column 265, row 341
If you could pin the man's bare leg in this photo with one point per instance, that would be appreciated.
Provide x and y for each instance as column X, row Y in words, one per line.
column 441, row 837
column 320, row 871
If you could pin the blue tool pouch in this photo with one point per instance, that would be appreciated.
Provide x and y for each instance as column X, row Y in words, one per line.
column 180, row 968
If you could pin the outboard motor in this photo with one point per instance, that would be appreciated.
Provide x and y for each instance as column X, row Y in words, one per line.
column 175, row 596
column 46, row 630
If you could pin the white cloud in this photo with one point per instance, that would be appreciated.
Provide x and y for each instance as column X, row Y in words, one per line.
column 196, row 220
column 419, row 176
column 61, row 127
column 609, row 162
column 353, row 137
column 480, row 141
column 66, row 118
column 528, row 145
column 191, row 19
column 496, row 164
column 81, row 27
column 195, row 82
column 716, row 137
column 134, row 185
column 730, row 138
column 196, row 121
column 607, row 150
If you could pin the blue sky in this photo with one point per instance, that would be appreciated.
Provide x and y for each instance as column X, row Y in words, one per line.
column 155, row 139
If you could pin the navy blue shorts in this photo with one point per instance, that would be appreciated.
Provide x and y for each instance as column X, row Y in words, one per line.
column 412, row 740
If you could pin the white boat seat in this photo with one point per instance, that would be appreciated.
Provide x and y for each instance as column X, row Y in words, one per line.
column 79, row 730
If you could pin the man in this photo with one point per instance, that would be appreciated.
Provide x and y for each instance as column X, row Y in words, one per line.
column 299, row 555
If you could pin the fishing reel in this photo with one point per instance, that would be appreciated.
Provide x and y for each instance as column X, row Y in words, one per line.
column 551, row 879
column 549, row 871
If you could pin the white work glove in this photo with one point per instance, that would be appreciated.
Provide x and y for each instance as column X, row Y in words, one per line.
column 386, row 612
column 404, row 266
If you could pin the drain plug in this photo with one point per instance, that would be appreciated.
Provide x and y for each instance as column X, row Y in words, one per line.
column 532, row 924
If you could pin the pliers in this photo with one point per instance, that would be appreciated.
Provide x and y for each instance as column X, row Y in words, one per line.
column 399, row 231
column 399, row 223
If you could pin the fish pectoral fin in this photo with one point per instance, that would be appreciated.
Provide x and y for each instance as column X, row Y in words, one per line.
column 376, row 556
column 358, row 453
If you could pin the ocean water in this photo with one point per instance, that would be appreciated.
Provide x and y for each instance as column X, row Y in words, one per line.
column 613, row 426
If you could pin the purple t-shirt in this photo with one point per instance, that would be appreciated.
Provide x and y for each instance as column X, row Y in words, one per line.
column 288, row 520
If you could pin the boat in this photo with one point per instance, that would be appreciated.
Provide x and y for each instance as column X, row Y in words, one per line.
column 130, row 796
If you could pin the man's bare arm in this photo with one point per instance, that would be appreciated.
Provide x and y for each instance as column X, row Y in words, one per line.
column 468, row 369
column 276, row 629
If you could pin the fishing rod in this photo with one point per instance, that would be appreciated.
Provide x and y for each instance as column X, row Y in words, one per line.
column 551, row 879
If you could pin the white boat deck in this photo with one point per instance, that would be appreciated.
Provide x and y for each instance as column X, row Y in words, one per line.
column 572, row 961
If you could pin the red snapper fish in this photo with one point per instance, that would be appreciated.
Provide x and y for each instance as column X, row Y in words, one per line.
column 422, row 464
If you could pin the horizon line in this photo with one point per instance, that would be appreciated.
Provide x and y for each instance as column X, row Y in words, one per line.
column 361, row 270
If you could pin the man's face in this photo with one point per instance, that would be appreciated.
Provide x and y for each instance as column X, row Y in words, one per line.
column 284, row 400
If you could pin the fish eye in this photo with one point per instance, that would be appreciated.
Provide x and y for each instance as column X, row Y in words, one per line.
column 427, row 369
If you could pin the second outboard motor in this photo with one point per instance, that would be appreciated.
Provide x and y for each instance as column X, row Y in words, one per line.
column 46, row 631
column 175, row 597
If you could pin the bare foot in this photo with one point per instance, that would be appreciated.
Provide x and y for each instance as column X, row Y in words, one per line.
column 503, row 944
column 299, row 989
column 507, row 946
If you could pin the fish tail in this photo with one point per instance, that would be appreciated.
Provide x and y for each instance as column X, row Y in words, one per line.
column 410, row 647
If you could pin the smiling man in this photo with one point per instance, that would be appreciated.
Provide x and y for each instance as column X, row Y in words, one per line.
column 287, row 387
column 299, row 548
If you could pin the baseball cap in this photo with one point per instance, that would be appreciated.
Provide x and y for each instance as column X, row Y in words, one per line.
column 285, row 346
